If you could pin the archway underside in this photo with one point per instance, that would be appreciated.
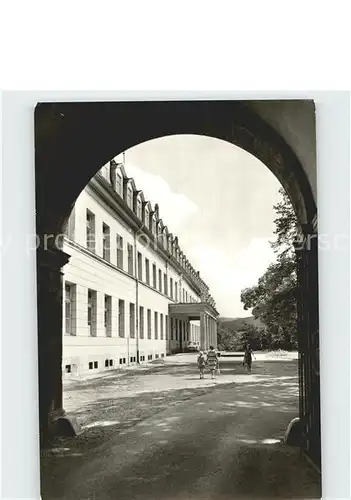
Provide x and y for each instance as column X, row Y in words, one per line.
column 74, row 140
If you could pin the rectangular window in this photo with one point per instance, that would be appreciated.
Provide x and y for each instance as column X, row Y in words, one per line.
column 149, row 323
column 132, row 320
column 186, row 296
column 141, row 322
column 176, row 329
column 90, row 231
column 161, row 326
column 140, row 266
column 160, row 280
column 121, row 318
column 92, row 312
column 183, row 295
column 108, row 315
column 176, row 291
column 166, row 328
column 70, row 302
column 96, row 364
column 156, row 324
column 171, row 288
column 139, row 211
column 119, row 184
column 172, row 328
column 147, row 271
column 105, row 242
column 154, row 275
column 130, row 197
column 165, row 287
column 119, row 251
column 130, row 259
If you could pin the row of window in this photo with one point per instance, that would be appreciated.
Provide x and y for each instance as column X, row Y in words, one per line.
column 106, row 240
column 148, row 216
column 169, row 287
column 160, row 320
column 109, row 363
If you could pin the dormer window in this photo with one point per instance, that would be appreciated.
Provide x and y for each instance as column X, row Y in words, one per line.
column 119, row 184
column 105, row 171
column 130, row 197
column 154, row 226
column 139, row 213
column 147, row 215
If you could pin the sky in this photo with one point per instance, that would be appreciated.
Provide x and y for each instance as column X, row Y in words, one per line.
column 218, row 199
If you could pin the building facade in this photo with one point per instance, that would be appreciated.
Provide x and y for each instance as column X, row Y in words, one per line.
column 130, row 294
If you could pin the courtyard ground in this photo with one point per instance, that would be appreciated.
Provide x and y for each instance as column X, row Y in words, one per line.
column 159, row 432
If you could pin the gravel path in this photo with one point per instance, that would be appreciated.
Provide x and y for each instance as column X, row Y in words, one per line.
column 165, row 434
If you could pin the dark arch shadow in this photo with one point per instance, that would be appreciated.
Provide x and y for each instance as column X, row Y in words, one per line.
column 73, row 140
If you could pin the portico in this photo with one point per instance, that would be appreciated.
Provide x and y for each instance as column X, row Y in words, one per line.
column 198, row 311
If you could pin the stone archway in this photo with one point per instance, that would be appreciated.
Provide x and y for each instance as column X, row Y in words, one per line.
column 73, row 140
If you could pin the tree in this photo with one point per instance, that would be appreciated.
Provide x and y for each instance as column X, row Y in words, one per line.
column 273, row 299
column 226, row 340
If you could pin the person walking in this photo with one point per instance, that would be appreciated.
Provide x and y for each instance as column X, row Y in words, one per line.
column 248, row 357
column 212, row 361
column 201, row 363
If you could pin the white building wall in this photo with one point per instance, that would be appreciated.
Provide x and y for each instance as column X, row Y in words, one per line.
column 83, row 353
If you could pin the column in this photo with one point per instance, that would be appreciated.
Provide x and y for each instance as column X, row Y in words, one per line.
column 210, row 330
column 49, row 296
column 215, row 332
column 208, row 340
column 202, row 332
column 210, row 321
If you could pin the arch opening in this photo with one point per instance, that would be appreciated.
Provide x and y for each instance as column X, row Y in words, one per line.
column 73, row 141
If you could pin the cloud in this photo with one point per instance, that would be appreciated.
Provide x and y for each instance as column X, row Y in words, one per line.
column 175, row 208
column 228, row 275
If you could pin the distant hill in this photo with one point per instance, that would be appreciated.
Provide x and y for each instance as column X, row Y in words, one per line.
column 239, row 324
